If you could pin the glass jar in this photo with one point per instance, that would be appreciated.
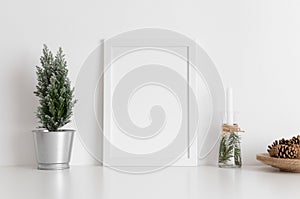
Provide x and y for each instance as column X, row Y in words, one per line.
column 230, row 150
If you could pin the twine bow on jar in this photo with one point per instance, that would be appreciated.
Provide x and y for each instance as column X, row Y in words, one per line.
column 231, row 128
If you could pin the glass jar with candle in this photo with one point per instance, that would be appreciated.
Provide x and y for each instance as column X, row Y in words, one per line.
column 230, row 149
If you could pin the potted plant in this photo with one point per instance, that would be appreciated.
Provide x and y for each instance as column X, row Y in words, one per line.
column 53, row 145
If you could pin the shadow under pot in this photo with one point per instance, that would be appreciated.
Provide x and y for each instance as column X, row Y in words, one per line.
column 53, row 149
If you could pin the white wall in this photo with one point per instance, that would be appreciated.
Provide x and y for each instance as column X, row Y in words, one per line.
column 255, row 45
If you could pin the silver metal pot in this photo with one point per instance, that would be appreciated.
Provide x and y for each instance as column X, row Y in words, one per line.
column 53, row 149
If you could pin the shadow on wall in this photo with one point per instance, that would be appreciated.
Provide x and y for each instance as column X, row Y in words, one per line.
column 22, row 81
column 88, row 112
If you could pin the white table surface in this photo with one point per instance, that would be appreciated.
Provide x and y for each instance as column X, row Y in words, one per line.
column 88, row 182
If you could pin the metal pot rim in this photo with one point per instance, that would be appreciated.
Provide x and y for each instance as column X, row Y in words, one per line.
column 58, row 131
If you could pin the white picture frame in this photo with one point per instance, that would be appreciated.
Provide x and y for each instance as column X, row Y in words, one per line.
column 145, row 39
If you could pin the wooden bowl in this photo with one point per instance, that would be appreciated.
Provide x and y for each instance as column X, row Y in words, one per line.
column 288, row 165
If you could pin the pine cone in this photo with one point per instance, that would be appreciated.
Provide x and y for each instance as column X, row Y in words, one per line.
column 273, row 150
column 284, row 151
column 284, row 141
column 294, row 140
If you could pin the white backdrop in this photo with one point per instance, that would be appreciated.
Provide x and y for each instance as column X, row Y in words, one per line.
column 255, row 45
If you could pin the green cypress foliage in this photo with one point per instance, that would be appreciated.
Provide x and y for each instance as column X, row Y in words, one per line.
column 56, row 97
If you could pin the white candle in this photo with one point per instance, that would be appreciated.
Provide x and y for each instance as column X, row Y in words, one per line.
column 229, row 106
